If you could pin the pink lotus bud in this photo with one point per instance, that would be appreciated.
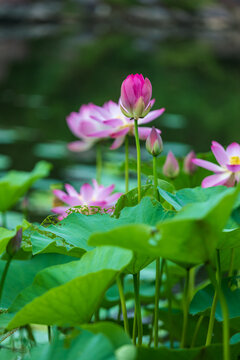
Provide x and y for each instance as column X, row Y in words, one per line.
column 154, row 144
column 171, row 166
column 15, row 243
column 136, row 93
column 188, row 166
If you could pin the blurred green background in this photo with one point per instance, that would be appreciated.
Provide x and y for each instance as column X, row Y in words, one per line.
column 57, row 55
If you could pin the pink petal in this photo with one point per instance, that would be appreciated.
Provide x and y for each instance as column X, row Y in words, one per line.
column 219, row 153
column 86, row 192
column 111, row 200
column 101, row 134
column 151, row 116
column 122, row 132
column 233, row 168
column 215, row 180
column 73, row 121
column 113, row 122
column 88, row 127
column 208, row 165
column 233, row 149
column 117, row 143
column 71, row 191
column 59, row 209
column 97, row 203
column 95, row 184
column 73, row 200
column 143, row 132
column 60, row 194
column 104, row 192
column 81, row 145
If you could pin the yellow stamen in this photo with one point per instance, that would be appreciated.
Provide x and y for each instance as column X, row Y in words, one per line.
column 235, row 160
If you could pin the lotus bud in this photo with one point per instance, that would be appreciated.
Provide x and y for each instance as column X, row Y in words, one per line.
column 154, row 144
column 136, row 93
column 171, row 166
column 15, row 243
column 188, row 166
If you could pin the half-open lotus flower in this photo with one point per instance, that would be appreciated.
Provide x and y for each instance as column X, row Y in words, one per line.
column 96, row 195
column 228, row 171
column 136, row 94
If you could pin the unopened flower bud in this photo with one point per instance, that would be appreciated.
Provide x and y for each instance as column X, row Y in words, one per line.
column 136, row 93
column 188, row 166
column 171, row 166
column 154, row 144
column 15, row 243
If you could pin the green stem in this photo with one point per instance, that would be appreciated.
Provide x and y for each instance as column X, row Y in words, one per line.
column 214, row 303
column 4, row 219
column 231, row 267
column 126, row 163
column 136, row 280
column 225, row 312
column 157, row 295
column 138, row 159
column 169, row 297
column 211, row 320
column 123, row 303
column 196, row 331
column 99, row 163
column 155, row 176
column 134, row 335
column 185, row 311
column 4, row 277
column 49, row 333
column 191, row 283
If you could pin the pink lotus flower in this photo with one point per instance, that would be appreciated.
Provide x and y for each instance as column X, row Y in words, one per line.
column 119, row 125
column 188, row 166
column 154, row 144
column 83, row 124
column 136, row 93
column 93, row 123
column 98, row 195
column 171, row 167
column 228, row 170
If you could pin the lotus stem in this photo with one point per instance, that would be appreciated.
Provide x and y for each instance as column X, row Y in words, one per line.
column 185, row 311
column 136, row 280
column 123, row 303
column 231, row 267
column 224, row 307
column 211, row 320
column 196, row 331
column 169, row 297
column 134, row 335
column 49, row 333
column 126, row 163
column 4, row 274
column 155, row 177
column 138, row 159
column 157, row 296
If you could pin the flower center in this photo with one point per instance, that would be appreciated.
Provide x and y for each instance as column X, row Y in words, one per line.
column 235, row 160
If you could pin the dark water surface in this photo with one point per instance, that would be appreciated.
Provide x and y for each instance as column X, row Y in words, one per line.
column 49, row 68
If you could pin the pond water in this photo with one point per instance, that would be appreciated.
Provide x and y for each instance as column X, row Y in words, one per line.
column 49, row 67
